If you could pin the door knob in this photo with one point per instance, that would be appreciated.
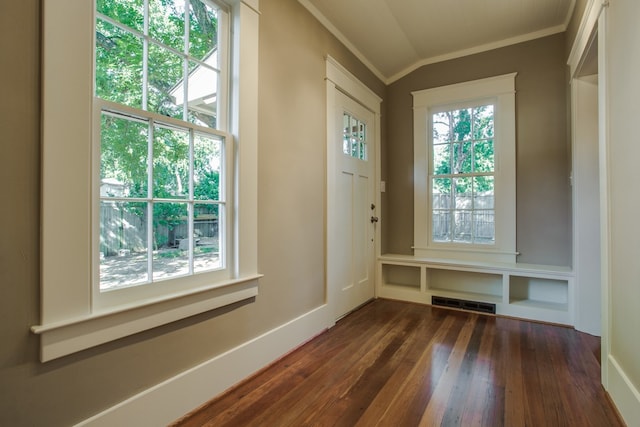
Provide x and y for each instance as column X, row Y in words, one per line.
column 374, row 219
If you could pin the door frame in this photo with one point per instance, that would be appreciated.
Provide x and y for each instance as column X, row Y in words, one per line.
column 593, row 29
column 339, row 79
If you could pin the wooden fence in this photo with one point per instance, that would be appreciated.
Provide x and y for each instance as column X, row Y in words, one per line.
column 122, row 229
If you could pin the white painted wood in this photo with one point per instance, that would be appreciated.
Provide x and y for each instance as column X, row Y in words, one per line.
column 339, row 82
column 620, row 61
column 73, row 335
column 500, row 90
column 618, row 64
column 66, row 130
column 585, row 35
column 244, row 126
column 605, row 202
column 177, row 396
column 625, row 395
column 535, row 292
column 349, row 84
column 353, row 255
column 586, row 204
column 66, row 202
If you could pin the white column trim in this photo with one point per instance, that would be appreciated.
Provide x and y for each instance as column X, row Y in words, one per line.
column 585, row 34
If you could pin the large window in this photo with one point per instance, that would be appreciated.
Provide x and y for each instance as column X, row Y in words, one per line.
column 465, row 170
column 462, row 182
column 163, row 173
column 149, row 177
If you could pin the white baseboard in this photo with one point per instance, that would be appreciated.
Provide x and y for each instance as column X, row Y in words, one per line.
column 624, row 394
column 175, row 397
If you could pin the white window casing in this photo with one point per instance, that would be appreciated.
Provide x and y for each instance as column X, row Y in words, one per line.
column 500, row 91
column 71, row 317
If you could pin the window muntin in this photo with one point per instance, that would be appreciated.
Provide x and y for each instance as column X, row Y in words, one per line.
column 354, row 137
column 161, row 204
column 462, row 183
column 162, row 181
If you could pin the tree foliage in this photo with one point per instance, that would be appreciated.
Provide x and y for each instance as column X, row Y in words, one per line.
column 121, row 58
column 463, row 145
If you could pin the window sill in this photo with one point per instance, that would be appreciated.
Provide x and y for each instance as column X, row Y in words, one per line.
column 73, row 335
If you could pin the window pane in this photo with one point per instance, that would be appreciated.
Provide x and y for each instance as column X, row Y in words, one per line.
column 483, row 156
column 118, row 65
column 202, row 96
column 442, row 159
column 346, row 133
column 483, row 122
column 170, row 240
column 483, row 192
column 166, row 22
column 362, row 138
column 461, row 124
column 462, row 233
column 441, row 127
column 165, row 75
column 123, row 244
column 207, row 223
column 441, row 226
column 203, row 32
column 463, row 193
column 127, row 12
column 441, row 193
column 170, row 163
column 462, row 157
column 207, row 161
column 123, row 157
column 354, row 136
column 484, row 227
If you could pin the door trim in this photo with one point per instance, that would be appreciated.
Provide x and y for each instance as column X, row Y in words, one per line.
column 339, row 79
column 594, row 23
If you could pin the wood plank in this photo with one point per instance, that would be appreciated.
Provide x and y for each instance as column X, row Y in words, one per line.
column 393, row 363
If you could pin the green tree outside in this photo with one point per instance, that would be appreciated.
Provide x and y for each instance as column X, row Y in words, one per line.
column 119, row 76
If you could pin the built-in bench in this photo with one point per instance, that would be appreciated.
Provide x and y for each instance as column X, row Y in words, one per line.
column 536, row 292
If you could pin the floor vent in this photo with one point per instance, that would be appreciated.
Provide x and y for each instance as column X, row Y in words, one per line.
column 483, row 307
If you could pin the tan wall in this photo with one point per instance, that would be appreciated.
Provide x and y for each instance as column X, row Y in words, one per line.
column 291, row 225
column 623, row 59
column 543, row 193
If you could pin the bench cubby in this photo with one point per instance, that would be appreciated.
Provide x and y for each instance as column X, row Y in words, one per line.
column 535, row 292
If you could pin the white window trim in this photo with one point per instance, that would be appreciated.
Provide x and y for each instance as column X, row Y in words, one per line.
column 69, row 322
column 155, row 288
column 501, row 89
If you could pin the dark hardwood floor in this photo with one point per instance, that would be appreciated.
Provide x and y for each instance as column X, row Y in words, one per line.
column 400, row 364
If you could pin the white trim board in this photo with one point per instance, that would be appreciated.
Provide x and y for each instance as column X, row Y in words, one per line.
column 622, row 391
column 177, row 396
column 584, row 36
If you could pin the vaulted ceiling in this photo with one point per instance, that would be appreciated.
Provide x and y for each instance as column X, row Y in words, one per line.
column 394, row 37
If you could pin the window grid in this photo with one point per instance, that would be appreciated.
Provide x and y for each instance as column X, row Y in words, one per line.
column 152, row 202
column 354, row 137
column 462, row 184
column 186, row 129
column 189, row 63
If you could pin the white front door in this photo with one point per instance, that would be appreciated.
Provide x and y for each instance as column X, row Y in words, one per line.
column 351, row 245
